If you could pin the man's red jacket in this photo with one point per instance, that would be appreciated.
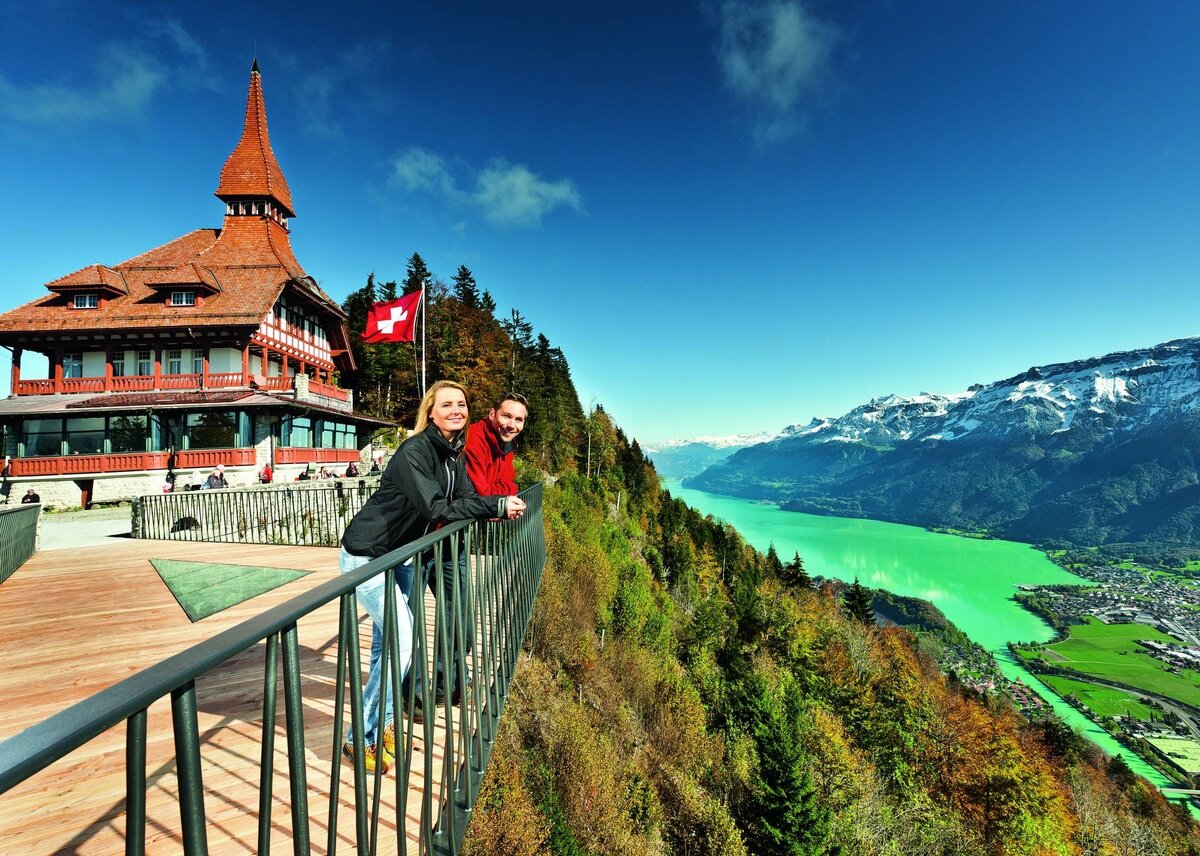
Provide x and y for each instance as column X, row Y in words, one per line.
column 490, row 462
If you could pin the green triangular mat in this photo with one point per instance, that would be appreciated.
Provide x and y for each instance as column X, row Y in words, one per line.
column 205, row 588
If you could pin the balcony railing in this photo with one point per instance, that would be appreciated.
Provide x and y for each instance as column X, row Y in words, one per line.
column 148, row 383
column 494, row 597
column 192, row 459
column 18, row 536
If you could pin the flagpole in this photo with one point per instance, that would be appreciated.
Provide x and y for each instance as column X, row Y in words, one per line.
column 424, row 312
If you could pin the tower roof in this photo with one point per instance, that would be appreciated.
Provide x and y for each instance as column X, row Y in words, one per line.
column 252, row 170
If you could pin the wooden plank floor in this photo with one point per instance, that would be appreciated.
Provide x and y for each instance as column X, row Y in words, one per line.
column 75, row 622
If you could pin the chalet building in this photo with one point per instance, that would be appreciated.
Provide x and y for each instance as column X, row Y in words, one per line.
column 214, row 348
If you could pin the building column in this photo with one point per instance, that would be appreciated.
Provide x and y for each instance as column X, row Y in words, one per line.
column 204, row 368
column 157, row 368
column 246, row 365
column 16, row 370
column 58, row 370
column 108, row 374
column 266, row 361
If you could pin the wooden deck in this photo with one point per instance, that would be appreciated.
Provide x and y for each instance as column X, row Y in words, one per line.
column 75, row 622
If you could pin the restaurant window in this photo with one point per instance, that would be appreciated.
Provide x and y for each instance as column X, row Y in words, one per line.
column 197, row 361
column 338, row 435
column 72, row 365
column 42, row 437
column 212, row 429
column 87, row 301
column 183, row 298
column 118, row 364
column 127, row 433
column 85, row 435
column 299, row 431
column 175, row 362
column 145, row 363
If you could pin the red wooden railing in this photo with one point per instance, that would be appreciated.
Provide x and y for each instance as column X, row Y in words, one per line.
column 301, row 455
column 134, row 383
column 194, row 459
column 224, row 380
column 327, row 390
column 35, row 387
column 144, row 383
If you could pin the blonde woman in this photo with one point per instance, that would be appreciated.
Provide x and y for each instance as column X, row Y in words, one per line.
column 424, row 486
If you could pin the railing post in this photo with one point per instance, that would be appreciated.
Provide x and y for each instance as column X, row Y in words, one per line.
column 266, row 778
column 187, row 768
column 297, row 766
column 135, row 784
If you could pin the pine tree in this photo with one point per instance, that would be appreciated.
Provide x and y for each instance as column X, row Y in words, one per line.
column 466, row 290
column 417, row 275
column 487, row 303
column 773, row 564
column 795, row 573
column 857, row 603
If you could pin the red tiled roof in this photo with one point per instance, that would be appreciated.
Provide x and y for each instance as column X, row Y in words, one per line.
column 188, row 274
column 92, row 276
column 252, row 169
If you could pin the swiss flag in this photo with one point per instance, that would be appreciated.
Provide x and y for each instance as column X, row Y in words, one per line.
column 393, row 321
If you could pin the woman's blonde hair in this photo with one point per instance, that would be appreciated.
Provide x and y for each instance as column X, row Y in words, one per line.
column 426, row 406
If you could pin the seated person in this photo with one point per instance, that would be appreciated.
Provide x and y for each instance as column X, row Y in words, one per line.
column 30, row 497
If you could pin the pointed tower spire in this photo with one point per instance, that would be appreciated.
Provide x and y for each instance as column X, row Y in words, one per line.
column 251, row 181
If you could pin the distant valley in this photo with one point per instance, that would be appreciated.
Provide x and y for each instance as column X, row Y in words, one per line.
column 1095, row 451
column 677, row 459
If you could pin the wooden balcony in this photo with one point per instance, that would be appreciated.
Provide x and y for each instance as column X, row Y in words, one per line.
column 71, row 465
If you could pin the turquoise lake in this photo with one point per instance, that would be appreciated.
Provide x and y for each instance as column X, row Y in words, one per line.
column 971, row 580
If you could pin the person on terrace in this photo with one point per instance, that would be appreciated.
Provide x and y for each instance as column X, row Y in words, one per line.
column 424, row 487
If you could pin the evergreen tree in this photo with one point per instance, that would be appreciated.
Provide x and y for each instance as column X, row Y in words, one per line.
column 520, row 335
column 789, row 818
column 487, row 303
column 795, row 574
column 857, row 603
column 417, row 275
column 466, row 290
column 387, row 291
column 773, row 564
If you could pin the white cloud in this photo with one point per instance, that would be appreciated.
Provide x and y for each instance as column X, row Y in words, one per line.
column 126, row 78
column 774, row 55
column 504, row 194
column 514, row 195
column 421, row 170
column 126, row 81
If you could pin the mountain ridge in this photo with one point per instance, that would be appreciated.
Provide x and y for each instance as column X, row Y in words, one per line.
column 1083, row 451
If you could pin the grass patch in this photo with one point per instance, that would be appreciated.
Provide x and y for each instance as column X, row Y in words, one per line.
column 1182, row 752
column 1111, row 651
column 1103, row 701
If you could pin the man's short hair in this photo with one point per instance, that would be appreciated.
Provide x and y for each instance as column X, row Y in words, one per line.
column 511, row 396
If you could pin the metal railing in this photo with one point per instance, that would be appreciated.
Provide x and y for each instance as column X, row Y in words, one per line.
column 18, row 536
column 490, row 600
column 299, row 514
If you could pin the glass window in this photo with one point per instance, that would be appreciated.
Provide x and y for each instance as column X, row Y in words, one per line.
column 338, row 435
column 183, row 298
column 42, row 437
column 145, row 363
column 85, row 435
column 118, row 363
column 197, row 361
column 300, row 431
column 175, row 362
column 212, row 429
column 87, row 301
column 127, row 433
column 72, row 365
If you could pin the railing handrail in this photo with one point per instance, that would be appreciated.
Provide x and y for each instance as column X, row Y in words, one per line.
column 40, row 745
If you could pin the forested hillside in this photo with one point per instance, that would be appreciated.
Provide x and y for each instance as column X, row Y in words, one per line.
column 682, row 693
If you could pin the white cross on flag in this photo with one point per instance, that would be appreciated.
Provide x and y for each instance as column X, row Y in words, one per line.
column 393, row 321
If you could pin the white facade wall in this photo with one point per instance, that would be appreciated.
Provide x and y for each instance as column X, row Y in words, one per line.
column 224, row 360
column 93, row 363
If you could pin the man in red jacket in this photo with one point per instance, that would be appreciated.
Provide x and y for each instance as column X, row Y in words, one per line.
column 491, row 443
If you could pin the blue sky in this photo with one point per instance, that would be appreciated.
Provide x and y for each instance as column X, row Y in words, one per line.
column 731, row 216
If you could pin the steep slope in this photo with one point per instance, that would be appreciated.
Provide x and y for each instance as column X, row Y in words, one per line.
column 1093, row 451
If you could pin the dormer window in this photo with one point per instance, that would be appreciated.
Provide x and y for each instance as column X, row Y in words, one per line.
column 183, row 298
column 89, row 300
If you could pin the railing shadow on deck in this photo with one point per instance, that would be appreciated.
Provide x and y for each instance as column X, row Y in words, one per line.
column 494, row 596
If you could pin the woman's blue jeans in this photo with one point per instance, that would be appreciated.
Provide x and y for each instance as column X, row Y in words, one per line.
column 370, row 597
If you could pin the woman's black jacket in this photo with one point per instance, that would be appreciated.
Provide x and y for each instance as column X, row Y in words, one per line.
column 424, row 485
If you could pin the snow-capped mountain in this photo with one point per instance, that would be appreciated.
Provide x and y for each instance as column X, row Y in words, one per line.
column 1061, row 450
column 681, row 458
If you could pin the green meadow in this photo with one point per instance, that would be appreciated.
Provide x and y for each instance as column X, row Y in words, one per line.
column 1103, row 701
column 1111, row 651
